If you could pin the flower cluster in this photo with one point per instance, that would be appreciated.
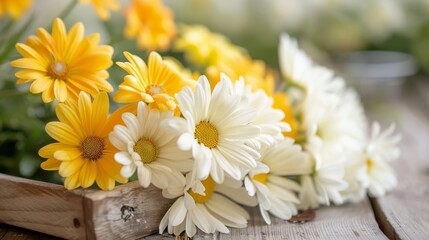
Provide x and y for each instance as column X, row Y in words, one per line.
column 215, row 143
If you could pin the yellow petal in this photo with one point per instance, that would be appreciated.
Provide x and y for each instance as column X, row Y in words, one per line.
column 127, row 97
column 103, row 180
column 74, row 38
column 48, row 95
column 116, row 117
column 100, row 111
column 85, row 112
column 28, row 63
column 67, row 154
column 67, row 115
column 49, row 150
column 72, row 182
column 41, row 85
column 69, row 168
column 30, row 74
column 29, row 52
column 62, row 133
column 50, row 164
column 59, row 34
column 60, row 90
column 88, row 174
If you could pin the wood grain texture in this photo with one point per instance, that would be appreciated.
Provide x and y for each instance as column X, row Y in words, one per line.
column 41, row 206
column 350, row 221
column 8, row 232
column 127, row 212
column 404, row 213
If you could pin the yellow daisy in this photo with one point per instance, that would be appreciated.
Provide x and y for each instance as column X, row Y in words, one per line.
column 14, row 8
column 152, row 23
column 62, row 65
column 281, row 102
column 83, row 154
column 155, row 83
column 102, row 7
column 205, row 48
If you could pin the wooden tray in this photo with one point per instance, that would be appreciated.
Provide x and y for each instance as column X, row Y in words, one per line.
column 128, row 211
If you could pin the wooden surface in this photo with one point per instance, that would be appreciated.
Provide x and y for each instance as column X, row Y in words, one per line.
column 127, row 212
column 405, row 212
column 122, row 213
column 402, row 214
column 41, row 206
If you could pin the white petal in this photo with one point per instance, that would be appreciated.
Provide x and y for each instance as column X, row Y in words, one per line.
column 178, row 212
column 185, row 141
column 144, row 175
column 123, row 158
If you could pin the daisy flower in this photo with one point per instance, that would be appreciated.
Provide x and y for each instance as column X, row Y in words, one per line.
column 151, row 22
column 152, row 152
column 215, row 127
column 268, row 119
column 14, row 8
column 62, row 65
column 155, row 83
column 382, row 148
column 102, row 7
column 276, row 194
column 293, row 61
column 83, row 154
column 208, row 209
column 282, row 102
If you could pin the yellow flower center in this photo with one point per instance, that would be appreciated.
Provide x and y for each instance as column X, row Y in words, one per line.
column 58, row 70
column 261, row 177
column 209, row 186
column 154, row 89
column 369, row 164
column 92, row 148
column 147, row 150
column 207, row 134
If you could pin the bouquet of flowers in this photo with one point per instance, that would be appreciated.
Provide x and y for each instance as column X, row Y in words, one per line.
column 211, row 131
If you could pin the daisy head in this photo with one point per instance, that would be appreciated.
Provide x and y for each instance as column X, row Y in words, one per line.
column 14, row 8
column 62, row 64
column 102, row 7
column 274, row 192
column 145, row 148
column 268, row 119
column 206, row 209
column 83, row 154
column 215, row 127
column 155, row 83
column 381, row 149
column 151, row 23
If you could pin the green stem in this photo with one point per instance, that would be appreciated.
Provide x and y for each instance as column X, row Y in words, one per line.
column 11, row 93
column 64, row 14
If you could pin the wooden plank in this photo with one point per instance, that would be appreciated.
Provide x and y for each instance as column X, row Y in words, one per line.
column 3, row 230
column 350, row 221
column 42, row 207
column 127, row 212
column 15, row 233
column 404, row 213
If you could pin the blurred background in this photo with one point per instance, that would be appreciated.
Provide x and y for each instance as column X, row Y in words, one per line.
column 377, row 45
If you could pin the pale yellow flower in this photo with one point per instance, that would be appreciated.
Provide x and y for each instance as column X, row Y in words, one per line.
column 102, row 7
column 151, row 23
column 205, row 48
column 14, row 8
column 62, row 64
column 83, row 154
column 155, row 83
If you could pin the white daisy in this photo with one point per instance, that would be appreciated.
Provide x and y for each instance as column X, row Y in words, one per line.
column 382, row 148
column 214, row 127
column 268, row 119
column 153, row 153
column 208, row 210
column 293, row 61
column 274, row 192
